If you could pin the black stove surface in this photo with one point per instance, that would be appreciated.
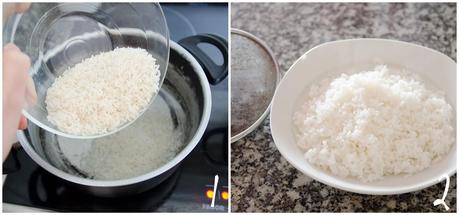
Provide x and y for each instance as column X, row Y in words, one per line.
column 186, row 189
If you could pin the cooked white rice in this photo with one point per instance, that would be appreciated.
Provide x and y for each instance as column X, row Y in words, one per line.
column 103, row 92
column 374, row 123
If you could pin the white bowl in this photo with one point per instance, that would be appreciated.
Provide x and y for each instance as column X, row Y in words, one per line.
column 357, row 54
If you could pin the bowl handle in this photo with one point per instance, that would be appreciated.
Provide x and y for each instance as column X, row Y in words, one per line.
column 215, row 73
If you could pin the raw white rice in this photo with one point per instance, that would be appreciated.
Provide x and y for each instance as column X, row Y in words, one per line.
column 374, row 123
column 103, row 92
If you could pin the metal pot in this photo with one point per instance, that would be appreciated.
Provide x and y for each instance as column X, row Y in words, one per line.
column 186, row 92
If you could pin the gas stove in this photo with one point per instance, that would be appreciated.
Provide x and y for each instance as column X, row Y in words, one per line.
column 189, row 189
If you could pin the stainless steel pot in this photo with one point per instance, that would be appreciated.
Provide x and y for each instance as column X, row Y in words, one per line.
column 185, row 90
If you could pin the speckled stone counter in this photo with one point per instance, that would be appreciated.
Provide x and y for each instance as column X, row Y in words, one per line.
column 263, row 181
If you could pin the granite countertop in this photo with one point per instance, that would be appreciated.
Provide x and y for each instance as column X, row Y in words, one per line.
column 262, row 180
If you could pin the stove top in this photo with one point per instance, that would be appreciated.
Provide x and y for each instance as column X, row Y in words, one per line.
column 189, row 188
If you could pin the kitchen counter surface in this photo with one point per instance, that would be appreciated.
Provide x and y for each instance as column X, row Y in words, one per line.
column 262, row 180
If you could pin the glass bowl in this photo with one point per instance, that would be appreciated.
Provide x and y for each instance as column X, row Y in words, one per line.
column 65, row 34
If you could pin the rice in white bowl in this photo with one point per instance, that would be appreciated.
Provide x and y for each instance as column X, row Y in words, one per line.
column 374, row 123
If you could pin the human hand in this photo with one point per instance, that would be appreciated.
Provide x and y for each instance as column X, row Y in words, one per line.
column 10, row 9
column 18, row 90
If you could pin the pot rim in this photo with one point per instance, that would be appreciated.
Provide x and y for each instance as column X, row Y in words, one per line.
column 175, row 161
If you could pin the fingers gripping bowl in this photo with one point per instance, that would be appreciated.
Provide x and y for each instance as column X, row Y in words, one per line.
column 358, row 55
